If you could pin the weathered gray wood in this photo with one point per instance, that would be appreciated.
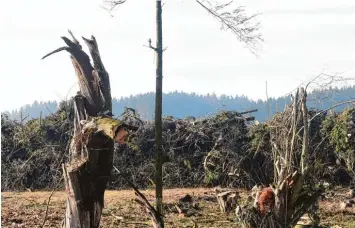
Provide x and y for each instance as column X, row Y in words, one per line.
column 90, row 154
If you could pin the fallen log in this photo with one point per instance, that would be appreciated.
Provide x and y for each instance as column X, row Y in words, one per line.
column 249, row 111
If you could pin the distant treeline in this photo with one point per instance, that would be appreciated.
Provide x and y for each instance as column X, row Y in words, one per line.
column 180, row 104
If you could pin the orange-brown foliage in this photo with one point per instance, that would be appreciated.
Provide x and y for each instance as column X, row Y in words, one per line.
column 266, row 200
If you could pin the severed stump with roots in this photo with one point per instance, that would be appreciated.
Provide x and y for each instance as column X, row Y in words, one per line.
column 283, row 204
column 91, row 149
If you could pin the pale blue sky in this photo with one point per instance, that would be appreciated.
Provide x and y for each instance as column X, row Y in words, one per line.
column 301, row 39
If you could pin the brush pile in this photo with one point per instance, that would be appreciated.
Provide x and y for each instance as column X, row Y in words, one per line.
column 32, row 152
column 338, row 131
column 227, row 149
column 206, row 151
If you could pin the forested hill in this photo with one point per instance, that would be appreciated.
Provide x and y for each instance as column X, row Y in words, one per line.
column 180, row 104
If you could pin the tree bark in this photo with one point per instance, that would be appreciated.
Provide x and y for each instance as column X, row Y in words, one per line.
column 158, row 110
column 91, row 151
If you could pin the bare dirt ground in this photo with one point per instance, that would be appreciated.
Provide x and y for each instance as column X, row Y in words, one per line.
column 27, row 209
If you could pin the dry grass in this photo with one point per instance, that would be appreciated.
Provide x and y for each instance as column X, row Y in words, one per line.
column 27, row 209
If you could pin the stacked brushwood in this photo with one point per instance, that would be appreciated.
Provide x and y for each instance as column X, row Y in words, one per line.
column 331, row 139
column 227, row 149
column 198, row 152
column 206, row 151
column 32, row 152
column 338, row 132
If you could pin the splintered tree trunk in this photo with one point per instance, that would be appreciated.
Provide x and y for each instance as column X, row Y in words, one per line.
column 158, row 110
column 291, row 198
column 91, row 150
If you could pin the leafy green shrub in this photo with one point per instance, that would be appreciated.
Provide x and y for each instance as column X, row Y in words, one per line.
column 340, row 131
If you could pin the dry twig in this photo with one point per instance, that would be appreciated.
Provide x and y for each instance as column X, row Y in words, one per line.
column 155, row 216
column 47, row 208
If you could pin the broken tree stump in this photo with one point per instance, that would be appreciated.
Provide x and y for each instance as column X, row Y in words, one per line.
column 292, row 195
column 91, row 150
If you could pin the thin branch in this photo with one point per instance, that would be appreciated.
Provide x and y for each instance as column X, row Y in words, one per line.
column 238, row 22
column 267, row 101
column 156, row 217
column 112, row 4
column 322, row 81
column 334, row 106
column 326, row 110
column 49, row 199
column 150, row 45
column 249, row 111
column 47, row 207
column 72, row 46
column 133, row 186
column 56, row 51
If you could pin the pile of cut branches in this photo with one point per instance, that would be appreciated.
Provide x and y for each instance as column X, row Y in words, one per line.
column 223, row 149
column 205, row 151
column 338, row 131
column 32, row 152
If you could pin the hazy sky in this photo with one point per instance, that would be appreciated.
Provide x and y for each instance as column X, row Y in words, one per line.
column 302, row 38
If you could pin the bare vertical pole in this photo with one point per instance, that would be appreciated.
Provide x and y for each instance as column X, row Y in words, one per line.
column 267, row 102
column 158, row 110
column 305, row 131
column 40, row 119
column 21, row 114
